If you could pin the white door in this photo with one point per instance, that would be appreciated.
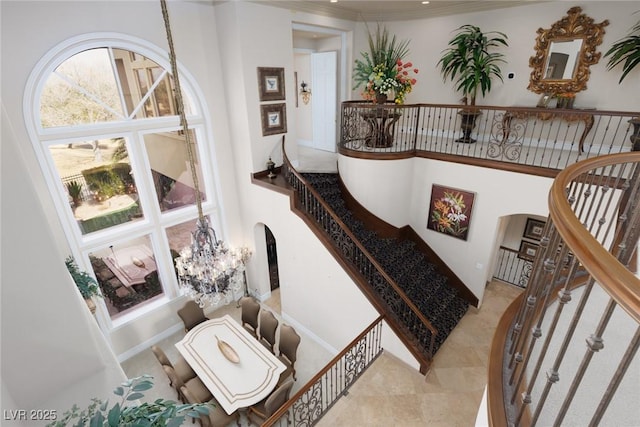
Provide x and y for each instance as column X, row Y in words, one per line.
column 324, row 100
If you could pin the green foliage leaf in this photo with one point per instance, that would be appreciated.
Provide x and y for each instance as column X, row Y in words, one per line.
column 135, row 396
column 142, row 386
column 625, row 51
column 114, row 415
column 119, row 391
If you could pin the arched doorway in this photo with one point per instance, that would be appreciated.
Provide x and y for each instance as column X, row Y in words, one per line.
column 272, row 259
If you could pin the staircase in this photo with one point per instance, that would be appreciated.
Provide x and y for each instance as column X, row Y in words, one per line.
column 422, row 281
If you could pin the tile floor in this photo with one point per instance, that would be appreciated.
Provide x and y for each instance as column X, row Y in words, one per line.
column 389, row 393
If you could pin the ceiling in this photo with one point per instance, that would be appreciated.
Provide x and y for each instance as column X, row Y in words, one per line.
column 356, row 10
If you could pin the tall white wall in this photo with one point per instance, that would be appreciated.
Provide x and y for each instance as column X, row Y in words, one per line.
column 398, row 191
column 50, row 341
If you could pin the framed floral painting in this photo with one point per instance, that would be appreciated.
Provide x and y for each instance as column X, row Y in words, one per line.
column 450, row 211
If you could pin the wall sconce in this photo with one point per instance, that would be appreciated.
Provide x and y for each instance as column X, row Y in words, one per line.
column 305, row 92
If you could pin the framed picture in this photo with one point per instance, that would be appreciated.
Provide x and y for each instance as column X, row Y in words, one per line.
column 274, row 118
column 271, row 84
column 450, row 211
column 534, row 229
column 527, row 250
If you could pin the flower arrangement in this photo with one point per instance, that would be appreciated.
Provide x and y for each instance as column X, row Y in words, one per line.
column 449, row 214
column 382, row 70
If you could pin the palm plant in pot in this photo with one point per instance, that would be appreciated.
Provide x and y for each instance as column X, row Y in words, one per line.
column 626, row 51
column 471, row 64
column 86, row 284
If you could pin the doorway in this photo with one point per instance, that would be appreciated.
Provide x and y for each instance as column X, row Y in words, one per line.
column 272, row 259
column 320, row 62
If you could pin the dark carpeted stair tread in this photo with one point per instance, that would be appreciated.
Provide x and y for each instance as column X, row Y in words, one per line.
column 403, row 262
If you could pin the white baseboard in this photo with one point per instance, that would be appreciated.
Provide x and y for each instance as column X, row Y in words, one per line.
column 290, row 320
column 151, row 341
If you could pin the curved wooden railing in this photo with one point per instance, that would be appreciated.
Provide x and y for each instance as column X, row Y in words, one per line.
column 540, row 141
column 593, row 227
column 407, row 321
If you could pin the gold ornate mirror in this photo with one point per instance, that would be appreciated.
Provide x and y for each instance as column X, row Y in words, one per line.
column 564, row 54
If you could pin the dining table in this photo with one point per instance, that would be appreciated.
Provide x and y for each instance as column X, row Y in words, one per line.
column 131, row 264
column 232, row 364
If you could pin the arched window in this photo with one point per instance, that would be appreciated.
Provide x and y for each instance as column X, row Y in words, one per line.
column 104, row 123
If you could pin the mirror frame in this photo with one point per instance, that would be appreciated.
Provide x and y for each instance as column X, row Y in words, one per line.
column 573, row 26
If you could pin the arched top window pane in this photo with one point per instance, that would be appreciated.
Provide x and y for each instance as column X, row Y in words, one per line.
column 106, row 85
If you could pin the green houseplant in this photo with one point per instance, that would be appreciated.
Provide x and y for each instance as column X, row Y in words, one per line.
column 626, row 51
column 86, row 284
column 161, row 412
column 74, row 188
column 382, row 69
column 471, row 64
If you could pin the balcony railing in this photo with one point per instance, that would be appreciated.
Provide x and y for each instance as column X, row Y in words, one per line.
column 547, row 138
column 564, row 352
column 316, row 397
column 512, row 268
column 403, row 316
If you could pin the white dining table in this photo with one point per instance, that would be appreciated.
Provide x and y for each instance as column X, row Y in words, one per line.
column 234, row 385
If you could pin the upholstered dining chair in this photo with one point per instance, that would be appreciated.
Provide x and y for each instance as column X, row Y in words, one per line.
column 217, row 417
column 288, row 348
column 182, row 368
column 262, row 410
column 191, row 314
column 250, row 309
column 268, row 327
column 196, row 386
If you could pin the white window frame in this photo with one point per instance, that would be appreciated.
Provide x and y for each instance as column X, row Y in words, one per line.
column 133, row 130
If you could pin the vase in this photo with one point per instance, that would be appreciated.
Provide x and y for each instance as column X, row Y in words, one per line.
column 467, row 123
column 381, row 98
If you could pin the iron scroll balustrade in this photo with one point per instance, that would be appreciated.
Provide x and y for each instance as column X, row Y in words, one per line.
column 386, row 292
column 317, row 396
column 581, row 290
column 547, row 138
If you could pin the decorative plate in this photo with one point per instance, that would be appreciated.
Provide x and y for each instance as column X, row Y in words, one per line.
column 137, row 262
column 228, row 351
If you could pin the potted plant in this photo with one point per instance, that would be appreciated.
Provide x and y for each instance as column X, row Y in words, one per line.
column 74, row 188
column 469, row 62
column 626, row 51
column 382, row 70
column 86, row 284
column 123, row 413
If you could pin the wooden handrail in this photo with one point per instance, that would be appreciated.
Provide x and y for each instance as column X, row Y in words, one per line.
column 362, row 249
column 621, row 284
column 284, row 408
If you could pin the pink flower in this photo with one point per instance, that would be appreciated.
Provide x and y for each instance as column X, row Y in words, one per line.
column 408, row 64
column 404, row 73
column 415, row 70
column 399, row 62
column 413, row 81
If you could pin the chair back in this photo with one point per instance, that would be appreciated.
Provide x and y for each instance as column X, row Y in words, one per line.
column 268, row 327
column 278, row 398
column 250, row 310
column 188, row 396
column 289, row 342
column 191, row 314
column 161, row 356
column 174, row 379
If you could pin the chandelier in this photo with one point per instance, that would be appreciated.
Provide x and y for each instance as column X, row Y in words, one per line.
column 208, row 271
